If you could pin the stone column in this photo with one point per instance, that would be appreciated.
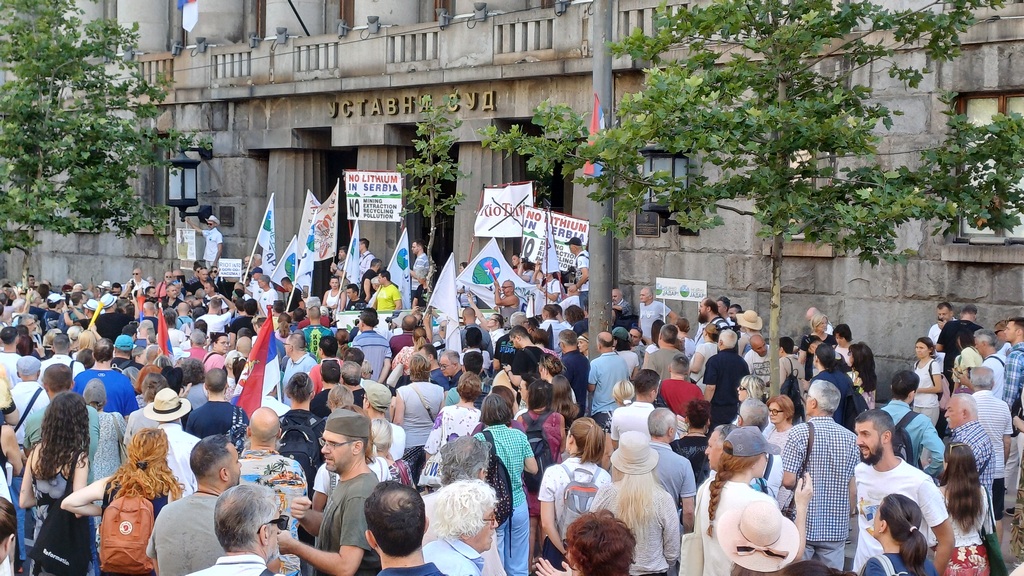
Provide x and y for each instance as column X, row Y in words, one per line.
column 290, row 173
column 151, row 16
column 482, row 167
column 220, row 22
column 382, row 235
column 279, row 13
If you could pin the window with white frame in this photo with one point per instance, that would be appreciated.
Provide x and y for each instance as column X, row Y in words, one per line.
column 980, row 109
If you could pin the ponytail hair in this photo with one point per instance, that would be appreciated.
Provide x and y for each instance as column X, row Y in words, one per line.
column 904, row 517
column 589, row 438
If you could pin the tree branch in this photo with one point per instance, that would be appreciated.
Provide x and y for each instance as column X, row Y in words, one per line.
column 739, row 211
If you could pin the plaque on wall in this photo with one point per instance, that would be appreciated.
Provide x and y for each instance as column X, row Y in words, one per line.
column 648, row 225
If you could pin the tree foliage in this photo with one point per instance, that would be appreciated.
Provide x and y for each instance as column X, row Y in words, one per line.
column 764, row 97
column 75, row 126
column 433, row 169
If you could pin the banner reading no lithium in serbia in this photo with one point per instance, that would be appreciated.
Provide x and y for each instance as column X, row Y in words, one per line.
column 563, row 227
column 372, row 195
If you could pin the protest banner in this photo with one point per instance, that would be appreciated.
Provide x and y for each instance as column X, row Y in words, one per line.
column 325, row 227
column 374, row 196
column 501, row 210
column 185, row 240
column 563, row 228
column 680, row 289
column 230, row 267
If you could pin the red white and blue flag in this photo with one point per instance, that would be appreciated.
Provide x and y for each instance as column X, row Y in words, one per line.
column 261, row 375
column 596, row 125
column 189, row 13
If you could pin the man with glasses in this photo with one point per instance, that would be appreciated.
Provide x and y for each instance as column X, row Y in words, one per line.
column 261, row 464
column 249, row 528
column 341, row 545
column 506, row 300
column 214, row 240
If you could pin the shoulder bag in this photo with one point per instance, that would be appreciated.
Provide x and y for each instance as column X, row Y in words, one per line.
column 996, row 565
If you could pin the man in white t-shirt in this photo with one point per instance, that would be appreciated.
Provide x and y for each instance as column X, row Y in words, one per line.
column 214, row 240
column 28, row 394
column 943, row 314
column 633, row 417
column 651, row 310
column 987, row 345
column 758, row 358
column 881, row 473
column 581, row 261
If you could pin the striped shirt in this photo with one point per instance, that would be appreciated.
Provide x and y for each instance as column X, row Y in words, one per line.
column 994, row 416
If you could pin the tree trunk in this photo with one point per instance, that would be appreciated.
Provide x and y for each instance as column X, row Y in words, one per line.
column 27, row 250
column 775, row 311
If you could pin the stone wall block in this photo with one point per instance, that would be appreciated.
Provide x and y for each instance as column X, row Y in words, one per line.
column 970, row 283
column 924, row 280
column 748, row 273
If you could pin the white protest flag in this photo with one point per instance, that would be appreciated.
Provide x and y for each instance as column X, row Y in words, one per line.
column 307, row 257
column 445, row 297
column 325, row 226
column 501, row 211
column 550, row 263
column 399, row 269
column 267, row 237
column 309, row 210
column 287, row 265
column 531, row 306
column 352, row 260
column 479, row 276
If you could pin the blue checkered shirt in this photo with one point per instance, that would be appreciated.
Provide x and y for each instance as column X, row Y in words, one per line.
column 1013, row 376
column 974, row 435
column 833, row 457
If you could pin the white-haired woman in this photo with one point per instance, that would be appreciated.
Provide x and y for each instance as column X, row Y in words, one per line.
column 464, row 522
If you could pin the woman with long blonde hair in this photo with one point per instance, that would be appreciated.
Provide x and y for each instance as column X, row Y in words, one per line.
column 636, row 497
column 144, row 474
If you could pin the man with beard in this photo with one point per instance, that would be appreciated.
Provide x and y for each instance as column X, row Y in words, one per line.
column 882, row 473
column 341, row 545
column 707, row 313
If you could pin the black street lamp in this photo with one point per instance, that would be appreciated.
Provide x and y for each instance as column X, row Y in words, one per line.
column 183, row 183
column 677, row 166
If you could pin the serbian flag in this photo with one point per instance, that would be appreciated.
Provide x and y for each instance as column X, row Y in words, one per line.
column 596, row 125
column 163, row 338
column 189, row 13
column 261, row 375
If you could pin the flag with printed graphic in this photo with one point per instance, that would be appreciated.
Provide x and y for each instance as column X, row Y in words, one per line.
column 288, row 265
column 445, row 296
column 307, row 257
column 488, row 269
column 399, row 269
column 352, row 260
column 325, row 226
column 267, row 237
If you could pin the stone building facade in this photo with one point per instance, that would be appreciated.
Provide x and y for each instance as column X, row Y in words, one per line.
column 288, row 111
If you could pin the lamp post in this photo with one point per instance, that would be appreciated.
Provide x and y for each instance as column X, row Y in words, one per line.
column 677, row 166
column 183, row 183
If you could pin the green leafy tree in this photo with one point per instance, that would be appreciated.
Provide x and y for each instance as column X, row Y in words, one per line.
column 433, row 169
column 75, row 126
column 762, row 96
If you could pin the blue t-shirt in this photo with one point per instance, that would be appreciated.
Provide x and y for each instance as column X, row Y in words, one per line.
column 120, row 394
column 873, row 567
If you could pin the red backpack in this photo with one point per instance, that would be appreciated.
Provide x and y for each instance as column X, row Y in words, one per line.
column 124, row 534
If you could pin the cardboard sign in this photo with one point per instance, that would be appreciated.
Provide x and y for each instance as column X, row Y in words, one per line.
column 185, row 242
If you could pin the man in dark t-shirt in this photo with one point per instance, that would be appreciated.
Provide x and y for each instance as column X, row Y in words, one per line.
column 947, row 342
column 110, row 324
column 218, row 415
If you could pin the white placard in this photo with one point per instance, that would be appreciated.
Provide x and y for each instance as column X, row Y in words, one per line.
column 680, row 289
column 185, row 242
column 230, row 267
column 374, row 196
column 563, row 228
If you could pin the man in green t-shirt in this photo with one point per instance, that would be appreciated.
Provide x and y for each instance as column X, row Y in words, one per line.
column 57, row 379
column 341, row 546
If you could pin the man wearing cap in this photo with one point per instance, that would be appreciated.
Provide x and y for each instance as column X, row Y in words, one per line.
column 123, row 347
column 376, row 403
column 28, row 394
column 167, row 409
column 54, row 311
column 341, row 545
column 120, row 393
column 581, row 261
column 214, row 240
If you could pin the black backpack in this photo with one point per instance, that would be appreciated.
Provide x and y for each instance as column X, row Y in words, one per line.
column 499, row 479
column 540, row 448
column 301, row 442
column 855, row 406
column 902, row 445
column 791, row 389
